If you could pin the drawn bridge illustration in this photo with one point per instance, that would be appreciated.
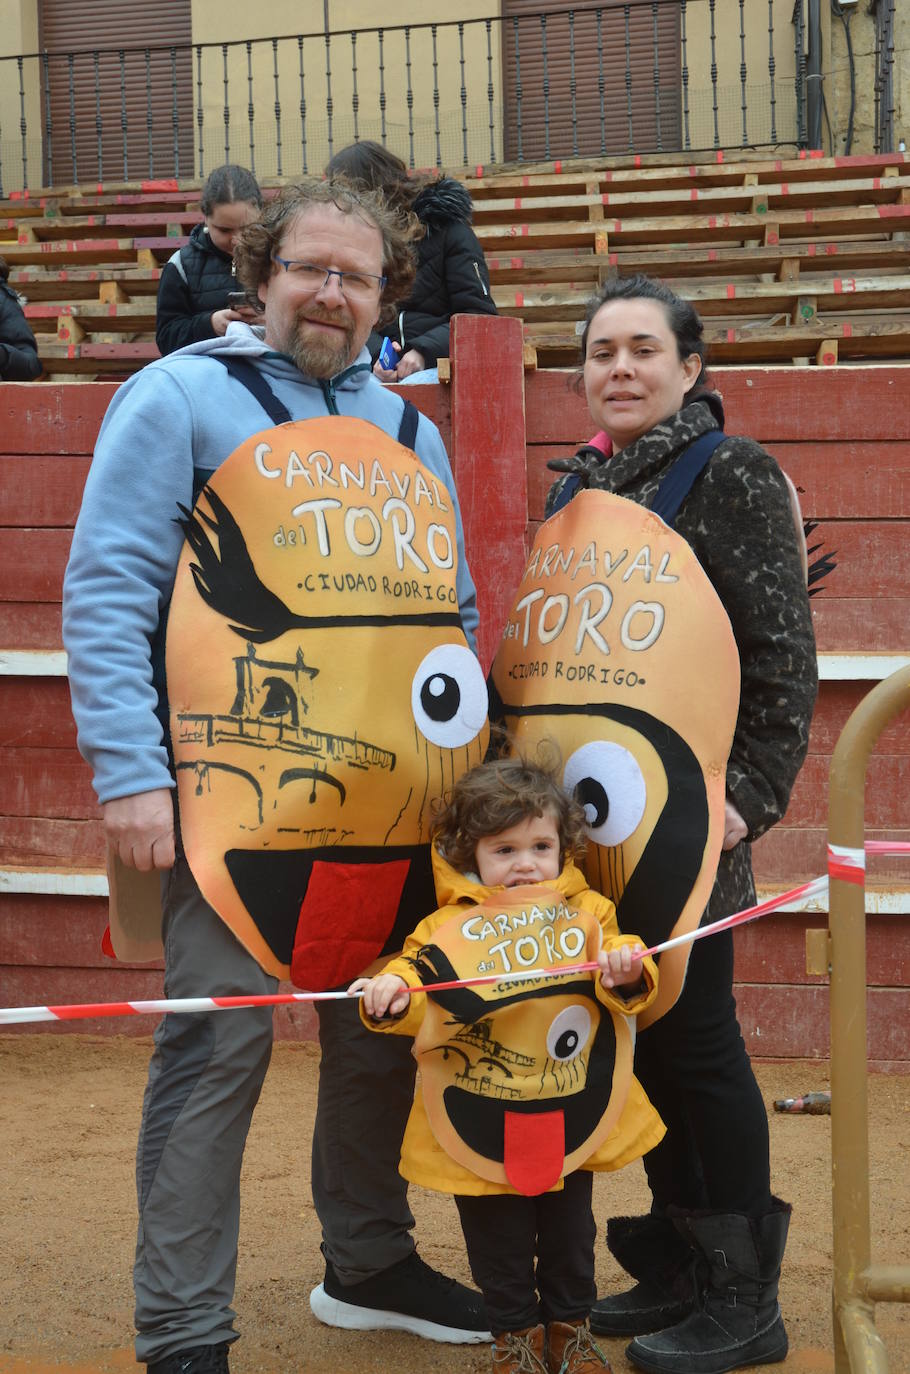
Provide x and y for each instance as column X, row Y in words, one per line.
column 272, row 698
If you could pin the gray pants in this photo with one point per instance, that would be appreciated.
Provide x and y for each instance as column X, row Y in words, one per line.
column 204, row 1082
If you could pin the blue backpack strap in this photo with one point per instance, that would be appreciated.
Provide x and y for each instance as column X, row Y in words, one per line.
column 407, row 430
column 677, row 484
column 250, row 377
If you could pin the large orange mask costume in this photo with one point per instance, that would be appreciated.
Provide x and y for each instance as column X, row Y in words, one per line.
column 322, row 693
column 618, row 648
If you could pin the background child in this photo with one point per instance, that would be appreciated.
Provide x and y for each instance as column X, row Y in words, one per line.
column 503, row 862
column 197, row 281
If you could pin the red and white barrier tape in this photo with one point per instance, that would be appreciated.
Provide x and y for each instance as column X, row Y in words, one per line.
column 848, row 864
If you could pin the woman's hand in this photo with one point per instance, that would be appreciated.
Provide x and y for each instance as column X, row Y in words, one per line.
column 735, row 828
column 410, row 362
column 384, row 995
column 222, row 318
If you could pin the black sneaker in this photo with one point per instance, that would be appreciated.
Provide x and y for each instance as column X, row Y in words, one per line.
column 202, row 1359
column 410, row 1296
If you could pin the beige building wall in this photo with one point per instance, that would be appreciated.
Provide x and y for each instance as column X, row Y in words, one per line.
column 411, row 132
column 837, row 79
column 19, row 35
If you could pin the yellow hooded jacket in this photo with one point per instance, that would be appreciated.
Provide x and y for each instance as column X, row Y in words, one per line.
column 489, row 1061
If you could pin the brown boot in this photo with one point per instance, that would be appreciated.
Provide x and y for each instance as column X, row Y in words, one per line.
column 572, row 1350
column 520, row 1352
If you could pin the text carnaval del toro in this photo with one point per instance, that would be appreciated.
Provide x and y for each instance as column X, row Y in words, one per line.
column 317, row 471
column 556, row 937
column 549, row 615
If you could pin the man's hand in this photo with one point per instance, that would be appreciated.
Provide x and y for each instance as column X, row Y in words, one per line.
column 222, row 318
column 141, row 829
column 735, row 828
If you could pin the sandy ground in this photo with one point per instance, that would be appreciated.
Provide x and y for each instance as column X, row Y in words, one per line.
column 69, row 1109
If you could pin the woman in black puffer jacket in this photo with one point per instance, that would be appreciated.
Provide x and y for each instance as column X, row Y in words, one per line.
column 452, row 277
column 197, row 280
column 19, row 361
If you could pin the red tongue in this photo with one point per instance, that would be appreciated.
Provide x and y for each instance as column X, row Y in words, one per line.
column 534, row 1150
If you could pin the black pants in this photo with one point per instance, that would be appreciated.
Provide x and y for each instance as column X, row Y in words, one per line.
column 694, row 1067
column 519, row 1247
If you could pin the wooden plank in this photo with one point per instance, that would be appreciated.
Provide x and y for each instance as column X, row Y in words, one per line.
column 629, row 202
column 689, row 230
column 793, row 1022
column 568, row 300
column 773, row 950
column 46, row 932
column 874, row 623
column 92, row 316
column 770, row 403
column 490, row 439
column 790, row 855
column 52, row 419
column 32, row 562
column 47, row 783
column 71, row 252
column 701, row 169
column 42, row 842
column 31, row 626
column 82, row 283
column 836, row 702
column 35, row 713
column 887, row 787
column 732, row 341
column 41, row 489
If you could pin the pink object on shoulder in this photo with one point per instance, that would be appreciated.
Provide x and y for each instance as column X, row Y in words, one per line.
column 602, row 441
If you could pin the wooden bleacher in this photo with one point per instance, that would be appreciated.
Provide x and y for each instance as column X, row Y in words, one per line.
column 803, row 260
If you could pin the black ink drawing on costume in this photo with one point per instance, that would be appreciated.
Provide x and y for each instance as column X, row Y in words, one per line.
column 271, row 699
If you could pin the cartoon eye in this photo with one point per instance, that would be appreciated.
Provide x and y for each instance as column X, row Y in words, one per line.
column 609, row 783
column 449, row 696
column 568, row 1034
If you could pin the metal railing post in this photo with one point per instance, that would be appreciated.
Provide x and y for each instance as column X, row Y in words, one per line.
column 857, row 1345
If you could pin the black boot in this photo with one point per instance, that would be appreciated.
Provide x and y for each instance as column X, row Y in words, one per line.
column 739, row 1322
column 651, row 1249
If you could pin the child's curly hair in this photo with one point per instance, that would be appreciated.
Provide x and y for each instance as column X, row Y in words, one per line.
column 501, row 793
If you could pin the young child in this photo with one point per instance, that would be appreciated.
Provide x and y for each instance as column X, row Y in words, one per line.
column 525, row 1086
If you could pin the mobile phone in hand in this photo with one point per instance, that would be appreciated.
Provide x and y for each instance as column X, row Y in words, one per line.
column 237, row 298
column 388, row 355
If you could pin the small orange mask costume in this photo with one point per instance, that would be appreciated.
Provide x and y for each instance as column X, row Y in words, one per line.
column 322, row 693
column 618, row 647
column 521, row 1082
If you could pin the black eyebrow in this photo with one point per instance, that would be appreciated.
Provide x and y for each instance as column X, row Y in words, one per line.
column 635, row 338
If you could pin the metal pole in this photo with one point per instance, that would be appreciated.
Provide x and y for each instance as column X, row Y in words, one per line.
column 853, row 1325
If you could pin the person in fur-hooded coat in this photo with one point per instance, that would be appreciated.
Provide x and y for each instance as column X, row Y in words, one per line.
column 452, row 277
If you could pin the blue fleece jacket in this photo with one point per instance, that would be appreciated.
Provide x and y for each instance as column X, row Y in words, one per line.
column 182, row 412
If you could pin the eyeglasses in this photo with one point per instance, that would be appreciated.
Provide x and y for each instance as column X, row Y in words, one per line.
column 355, row 285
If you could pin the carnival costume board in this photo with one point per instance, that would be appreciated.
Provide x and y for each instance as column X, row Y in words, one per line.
column 618, row 648
column 520, row 1083
column 320, row 560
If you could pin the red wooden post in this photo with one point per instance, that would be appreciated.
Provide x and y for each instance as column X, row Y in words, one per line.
column 489, row 462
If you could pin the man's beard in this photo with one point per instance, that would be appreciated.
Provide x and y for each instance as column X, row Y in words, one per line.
column 320, row 355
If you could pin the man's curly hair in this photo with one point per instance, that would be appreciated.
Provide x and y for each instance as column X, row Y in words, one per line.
column 501, row 793
column 259, row 241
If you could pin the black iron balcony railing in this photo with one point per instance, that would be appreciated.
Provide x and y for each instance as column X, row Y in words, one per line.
column 614, row 77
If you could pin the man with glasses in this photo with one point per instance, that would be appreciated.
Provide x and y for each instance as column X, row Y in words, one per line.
column 322, row 260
